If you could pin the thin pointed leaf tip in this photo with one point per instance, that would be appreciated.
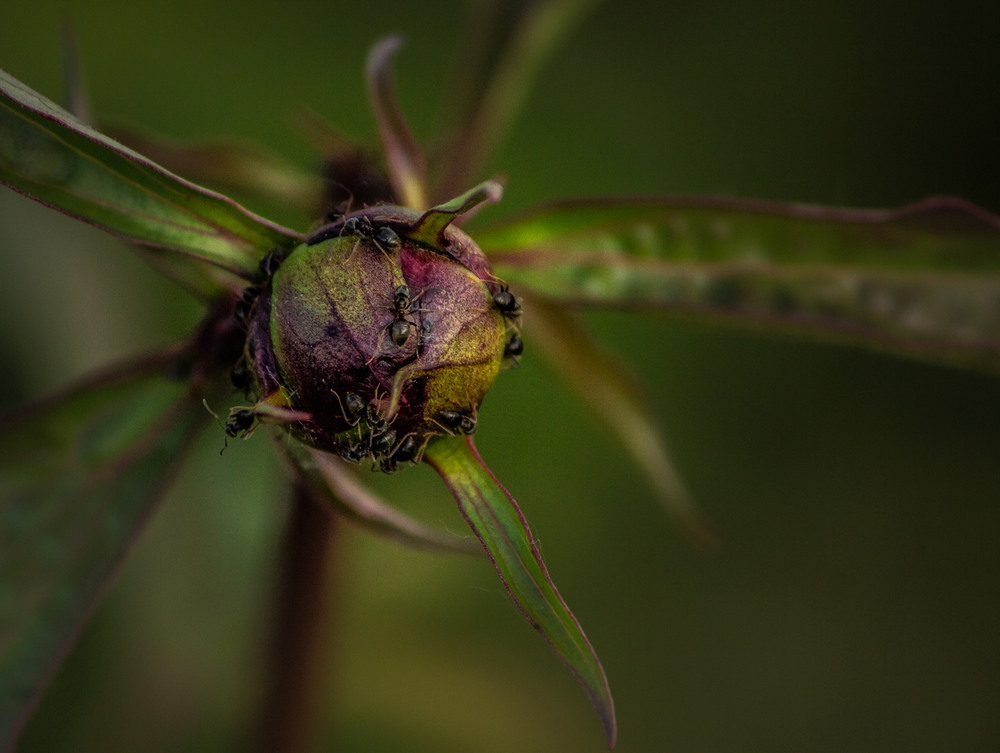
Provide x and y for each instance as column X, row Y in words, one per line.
column 402, row 152
column 493, row 514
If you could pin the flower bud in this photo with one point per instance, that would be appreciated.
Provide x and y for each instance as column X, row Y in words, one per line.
column 384, row 335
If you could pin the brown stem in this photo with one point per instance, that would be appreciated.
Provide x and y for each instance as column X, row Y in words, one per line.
column 290, row 713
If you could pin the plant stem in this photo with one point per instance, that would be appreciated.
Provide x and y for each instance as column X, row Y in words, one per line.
column 299, row 632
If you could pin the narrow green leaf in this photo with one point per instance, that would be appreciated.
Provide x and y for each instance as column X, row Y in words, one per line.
column 77, row 98
column 79, row 474
column 498, row 68
column 496, row 519
column 335, row 482
column 229, row 165
column 922, row 280
column 615, row 396
column 407, row 171
column 48, row 154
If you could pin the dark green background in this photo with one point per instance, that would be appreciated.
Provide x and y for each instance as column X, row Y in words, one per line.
column 854, row 604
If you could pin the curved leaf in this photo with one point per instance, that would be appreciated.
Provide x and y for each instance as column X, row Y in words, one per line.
column 922, row 280
column 407, row 172
column 611, row 392
column 496, row 519
column 430, row 227
column 229, row 165
column 509, row 45
column 335, row 483
column 79, row 475
column 48, row 154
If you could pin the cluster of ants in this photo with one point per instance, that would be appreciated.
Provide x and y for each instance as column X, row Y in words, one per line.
column 379, row 443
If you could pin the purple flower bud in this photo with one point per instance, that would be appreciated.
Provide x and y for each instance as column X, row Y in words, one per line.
column 384, row 339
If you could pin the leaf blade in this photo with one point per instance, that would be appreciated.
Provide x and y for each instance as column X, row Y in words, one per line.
column 336, row 485
column 916, row 281
column 407, row 170
column 497, row 521
column 617, row 399
column 498, row 69
column 79, row 474
column 49, row 155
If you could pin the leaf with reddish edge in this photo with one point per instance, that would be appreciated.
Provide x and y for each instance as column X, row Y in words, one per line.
column 407, row 171
column 229, row 165
column 49, row 155
column 430, row 227
column 336, row 483
column 500, row 61
column 79, row 475
column 611, row 392
column 496, row 519
column 920, row 281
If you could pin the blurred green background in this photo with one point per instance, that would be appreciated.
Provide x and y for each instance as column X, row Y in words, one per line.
column 854, row 604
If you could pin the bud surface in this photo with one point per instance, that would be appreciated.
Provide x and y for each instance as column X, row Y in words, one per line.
column 385, row 339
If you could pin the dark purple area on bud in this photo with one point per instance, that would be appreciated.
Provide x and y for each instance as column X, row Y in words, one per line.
column 385, row 340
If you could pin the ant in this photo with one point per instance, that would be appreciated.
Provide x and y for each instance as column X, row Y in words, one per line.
column 452, row 420
column 239, row 423
column 402, row 304
column 514, row 347
column 384, row 237
column 406, row 451
column 507, row 302
column 351, row 408
column 243, row 307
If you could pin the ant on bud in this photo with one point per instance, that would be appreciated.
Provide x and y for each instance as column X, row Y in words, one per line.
column 507, row 303
column 454, row 421
column 402, row 307
column 352, row 408
column 245, row 304
column 270, row 263
column 514, row 347
column 239, row 423
column 384, row 237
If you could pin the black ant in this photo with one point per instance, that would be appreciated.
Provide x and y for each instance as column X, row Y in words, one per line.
column 239, row 423
column 507, row 302
column 355, row 453
column 381, row 444
column 384, row 237
column 405, row 452
column 452, row 420
column 245, row 304
column 376, row 421
column 271, row 261
column 351, row 408
column 402, row 304
column 514, row 347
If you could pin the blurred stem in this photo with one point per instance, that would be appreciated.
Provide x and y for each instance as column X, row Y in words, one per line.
column 299, row 631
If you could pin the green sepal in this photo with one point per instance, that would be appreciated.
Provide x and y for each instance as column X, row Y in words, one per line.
column 497, row 521
column 429, row 228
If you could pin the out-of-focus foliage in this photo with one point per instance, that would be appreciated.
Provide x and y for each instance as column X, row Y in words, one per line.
column 853, row 602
